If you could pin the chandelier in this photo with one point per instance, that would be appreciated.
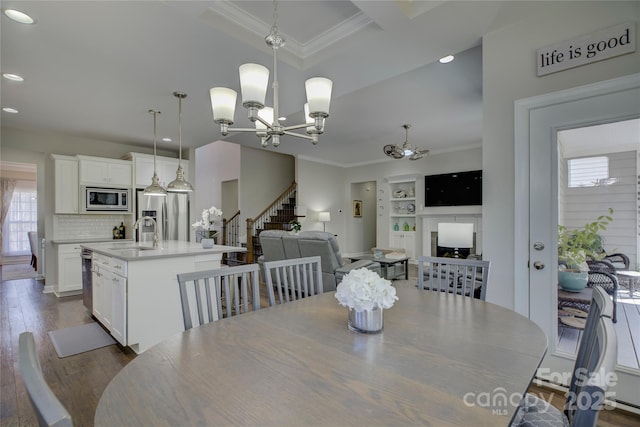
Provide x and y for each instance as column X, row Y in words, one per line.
column 405, row 150
column 253, row 84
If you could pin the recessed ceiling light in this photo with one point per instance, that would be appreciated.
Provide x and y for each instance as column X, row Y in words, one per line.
column 167, row 139
column 282, row 119
column 446, row 59
column 18, row 16
column 14, row 77
column 10, row 110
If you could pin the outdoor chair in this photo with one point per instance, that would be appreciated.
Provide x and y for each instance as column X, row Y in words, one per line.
column 215, row 294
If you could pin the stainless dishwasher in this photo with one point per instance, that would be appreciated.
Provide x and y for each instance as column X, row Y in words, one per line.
column 87, row 285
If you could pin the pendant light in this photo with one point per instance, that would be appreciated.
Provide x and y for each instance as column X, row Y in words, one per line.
column 179, row 185
column 155, row 189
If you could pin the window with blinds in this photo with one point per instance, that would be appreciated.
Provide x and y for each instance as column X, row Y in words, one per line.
column 588, row 171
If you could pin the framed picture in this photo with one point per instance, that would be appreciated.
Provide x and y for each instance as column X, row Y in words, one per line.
column 357, row 208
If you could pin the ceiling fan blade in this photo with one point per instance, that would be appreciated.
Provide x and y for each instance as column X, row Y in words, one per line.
column 418, row 154
column 393, row 151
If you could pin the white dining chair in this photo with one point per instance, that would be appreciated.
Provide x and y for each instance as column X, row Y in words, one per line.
column 219, row 293
column 293, row 278
column 454, row 275
column 48, row 408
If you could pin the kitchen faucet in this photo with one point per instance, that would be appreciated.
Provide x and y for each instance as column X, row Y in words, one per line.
column 155, row 228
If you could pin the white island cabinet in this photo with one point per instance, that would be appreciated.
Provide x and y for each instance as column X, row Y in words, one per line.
column 137, row 297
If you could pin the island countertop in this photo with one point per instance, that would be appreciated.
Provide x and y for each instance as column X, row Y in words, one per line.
column 132, row 251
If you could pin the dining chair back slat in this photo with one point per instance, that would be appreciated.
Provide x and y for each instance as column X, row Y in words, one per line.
column 49, row 410
column 454, row 275
column 595, row 360
column 219, row 293
column 293, row 279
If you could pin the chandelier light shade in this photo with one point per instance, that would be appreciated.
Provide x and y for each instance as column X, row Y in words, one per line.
column 155, row 189
column 405, row 150
column 254, row 81
column 180, row 184
column 319, row 95
column 223, row 104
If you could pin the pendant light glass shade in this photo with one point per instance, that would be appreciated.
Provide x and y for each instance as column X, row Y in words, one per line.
column 179, row 185
column 155, row 189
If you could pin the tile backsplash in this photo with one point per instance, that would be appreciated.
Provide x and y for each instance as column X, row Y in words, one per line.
column 73, row 227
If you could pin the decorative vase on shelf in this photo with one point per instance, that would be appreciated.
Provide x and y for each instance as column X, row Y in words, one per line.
column 207, row 243
column 366, row 322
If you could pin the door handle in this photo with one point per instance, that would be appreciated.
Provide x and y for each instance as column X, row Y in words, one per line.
column 538, row 265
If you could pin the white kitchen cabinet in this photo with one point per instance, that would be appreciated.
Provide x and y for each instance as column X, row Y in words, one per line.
column 98, row 171
column 110, row 295
column 65, row 184
column 166, row 168
column 69, row 268
column 102, row 305
column 404, row 240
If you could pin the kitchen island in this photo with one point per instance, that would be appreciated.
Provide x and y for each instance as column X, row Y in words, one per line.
column 135, row 290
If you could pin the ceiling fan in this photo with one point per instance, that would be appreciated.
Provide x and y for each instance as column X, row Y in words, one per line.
column 405, row 150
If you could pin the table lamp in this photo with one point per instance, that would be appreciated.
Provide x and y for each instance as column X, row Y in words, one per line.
column 455, row 235
column 324, row 217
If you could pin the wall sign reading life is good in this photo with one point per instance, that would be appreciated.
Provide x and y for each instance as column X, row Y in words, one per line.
column 604, row 44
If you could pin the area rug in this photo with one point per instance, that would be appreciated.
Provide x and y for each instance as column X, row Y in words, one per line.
column 80, row 339
column 18, row 271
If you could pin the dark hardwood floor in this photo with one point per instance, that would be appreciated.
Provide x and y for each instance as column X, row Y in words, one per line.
column 79, row 380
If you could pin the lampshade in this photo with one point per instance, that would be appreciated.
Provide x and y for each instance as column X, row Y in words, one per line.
column 254, row 79
column 324, row 216
column 455, row 235
column 319, row 94
column 266, row 114
column 223, row 104
column 308, row 119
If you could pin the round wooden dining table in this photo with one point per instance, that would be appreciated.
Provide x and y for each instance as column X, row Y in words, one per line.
column 441, row 359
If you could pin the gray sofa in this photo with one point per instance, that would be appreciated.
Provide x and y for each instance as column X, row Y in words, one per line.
column 278, row 244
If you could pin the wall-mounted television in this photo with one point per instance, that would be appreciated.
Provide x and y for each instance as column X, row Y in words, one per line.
column 453, row 189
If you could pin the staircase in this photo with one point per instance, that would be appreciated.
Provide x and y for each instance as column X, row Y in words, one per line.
column 275, row 217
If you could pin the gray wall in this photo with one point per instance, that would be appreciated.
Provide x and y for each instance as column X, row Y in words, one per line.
column 509, row 74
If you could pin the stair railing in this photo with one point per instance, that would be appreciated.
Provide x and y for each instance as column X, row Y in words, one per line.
column 257, row 223
column 231, row 230
column 230, row 233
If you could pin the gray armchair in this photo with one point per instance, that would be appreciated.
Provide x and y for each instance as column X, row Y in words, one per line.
column 277, row 244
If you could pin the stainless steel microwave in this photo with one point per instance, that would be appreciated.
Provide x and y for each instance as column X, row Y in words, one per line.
column 96, row 199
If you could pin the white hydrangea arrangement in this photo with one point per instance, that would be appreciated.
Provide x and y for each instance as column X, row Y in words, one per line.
column 364, row 290
column 209, row 218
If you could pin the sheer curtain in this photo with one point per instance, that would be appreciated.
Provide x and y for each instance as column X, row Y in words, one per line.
column 21, row 216
column 7, row 186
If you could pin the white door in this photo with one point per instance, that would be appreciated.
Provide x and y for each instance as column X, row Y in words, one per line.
column 538, row 121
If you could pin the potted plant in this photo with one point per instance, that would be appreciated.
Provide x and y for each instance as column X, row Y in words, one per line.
column 575, row 247
column 295, row 226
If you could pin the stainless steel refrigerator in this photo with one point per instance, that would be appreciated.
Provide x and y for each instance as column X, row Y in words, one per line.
column 171, row 214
